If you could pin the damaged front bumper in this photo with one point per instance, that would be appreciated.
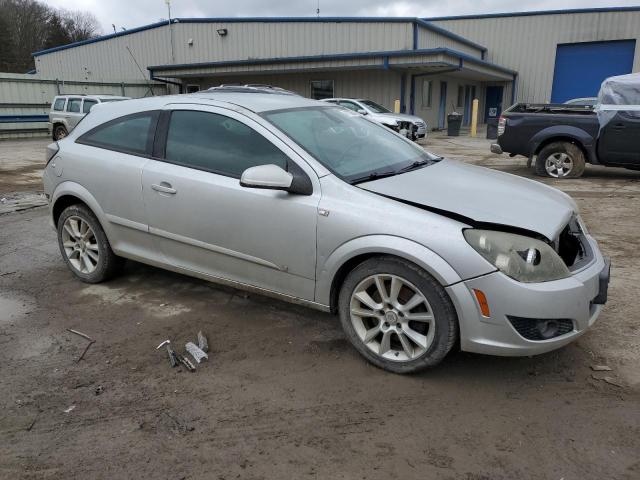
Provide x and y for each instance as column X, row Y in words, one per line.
column 530, row 318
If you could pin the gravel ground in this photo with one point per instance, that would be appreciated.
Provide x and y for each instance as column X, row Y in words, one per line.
column 283, row 395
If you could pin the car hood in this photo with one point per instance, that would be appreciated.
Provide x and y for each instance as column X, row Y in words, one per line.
column 400, row 117
column 481, row 195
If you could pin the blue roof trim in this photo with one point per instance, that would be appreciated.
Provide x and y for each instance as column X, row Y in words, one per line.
column 447, row 33
column 414, row 20
column 104, row 37
column 23, row 118
column 336, row 56
column 536, row 12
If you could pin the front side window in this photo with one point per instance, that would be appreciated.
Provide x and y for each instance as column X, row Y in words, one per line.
column 131, row 134
column 87, row 104
column 348, row 144
column 321, row 89
column 218, row 144
column 374, row 107
column 58, row 105
column 73, row 105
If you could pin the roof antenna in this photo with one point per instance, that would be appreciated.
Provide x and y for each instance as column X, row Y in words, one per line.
column 318, row 10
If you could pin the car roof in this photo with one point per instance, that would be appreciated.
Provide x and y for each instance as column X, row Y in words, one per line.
column 85, row 95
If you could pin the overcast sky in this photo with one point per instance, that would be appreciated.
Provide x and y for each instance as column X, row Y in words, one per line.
column 134, row 13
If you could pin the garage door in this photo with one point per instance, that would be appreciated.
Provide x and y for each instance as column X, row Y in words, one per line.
column 581, row 67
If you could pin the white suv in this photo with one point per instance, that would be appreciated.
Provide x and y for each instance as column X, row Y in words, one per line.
column 68, row 110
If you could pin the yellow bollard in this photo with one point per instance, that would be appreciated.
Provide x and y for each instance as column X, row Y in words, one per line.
column 396, row 106
column 474, row 117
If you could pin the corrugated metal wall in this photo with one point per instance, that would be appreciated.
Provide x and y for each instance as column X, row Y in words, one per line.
column 111, row 59
column 431, row 39
column 528, row 43
column 22, row 95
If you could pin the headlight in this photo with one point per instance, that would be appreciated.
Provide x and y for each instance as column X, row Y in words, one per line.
column 522, row 258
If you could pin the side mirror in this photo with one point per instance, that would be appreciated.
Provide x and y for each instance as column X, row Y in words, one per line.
column 266, row 176
column 362, row 111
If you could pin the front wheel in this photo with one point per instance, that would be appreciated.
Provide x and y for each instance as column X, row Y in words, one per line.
column 397, row 315
column 560, row 160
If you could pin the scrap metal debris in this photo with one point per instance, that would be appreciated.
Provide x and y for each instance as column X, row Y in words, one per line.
column 196, row 352
column 173, row 357
column 203, row 344
column 87, row 337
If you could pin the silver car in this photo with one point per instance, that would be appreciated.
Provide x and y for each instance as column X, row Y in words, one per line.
column 411, row 126
column 315, row 204
column 67, row 111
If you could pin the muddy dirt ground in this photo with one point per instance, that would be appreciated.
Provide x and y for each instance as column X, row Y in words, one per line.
column 283, row 394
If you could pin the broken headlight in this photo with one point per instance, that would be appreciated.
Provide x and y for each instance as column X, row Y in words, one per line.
column 522, row 258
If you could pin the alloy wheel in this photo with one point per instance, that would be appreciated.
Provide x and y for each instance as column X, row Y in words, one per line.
column 559, row 164
column 80, row 245
column 392, row 317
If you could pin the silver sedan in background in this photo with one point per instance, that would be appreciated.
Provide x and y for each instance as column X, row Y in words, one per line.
column 314, row 204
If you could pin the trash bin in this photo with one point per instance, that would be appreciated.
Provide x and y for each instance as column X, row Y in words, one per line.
column 492, row 128
column 454, row 120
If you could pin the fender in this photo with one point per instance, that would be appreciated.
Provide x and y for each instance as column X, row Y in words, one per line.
column 77, row 190
column 581, row 137
column 382, row 244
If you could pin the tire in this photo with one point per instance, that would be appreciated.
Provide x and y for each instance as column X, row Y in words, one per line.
column 81, row 235
column 436, row 336
column 59, row 132
column 564, row 158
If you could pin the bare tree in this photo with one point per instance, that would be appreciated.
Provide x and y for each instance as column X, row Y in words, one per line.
column 29, row 26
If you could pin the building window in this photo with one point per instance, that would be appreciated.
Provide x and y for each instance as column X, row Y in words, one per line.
column 460, row 102
column 321, row 89
column 193, row 88
column 426, row 93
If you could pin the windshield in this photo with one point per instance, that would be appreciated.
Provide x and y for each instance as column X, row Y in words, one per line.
column 374, row 107
column 348, row 144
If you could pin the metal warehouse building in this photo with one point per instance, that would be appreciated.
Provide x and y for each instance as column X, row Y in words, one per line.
column 432, row 66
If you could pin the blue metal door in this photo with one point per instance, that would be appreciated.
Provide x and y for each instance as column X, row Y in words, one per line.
column 493, row 103
column 443, row 105
column 581, row 67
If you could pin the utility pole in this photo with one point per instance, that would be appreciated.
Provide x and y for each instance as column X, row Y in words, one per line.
column 173, row 57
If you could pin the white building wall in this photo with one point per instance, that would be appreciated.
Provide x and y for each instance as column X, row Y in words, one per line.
column 528, row 44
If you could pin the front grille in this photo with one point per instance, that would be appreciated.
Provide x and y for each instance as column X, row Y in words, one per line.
column 541, row 329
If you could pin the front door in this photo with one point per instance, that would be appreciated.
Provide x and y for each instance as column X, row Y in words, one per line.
column 204, row 221
column 619, row 140
column 493, row 104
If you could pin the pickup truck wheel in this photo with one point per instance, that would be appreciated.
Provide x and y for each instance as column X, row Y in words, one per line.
column 560, row 160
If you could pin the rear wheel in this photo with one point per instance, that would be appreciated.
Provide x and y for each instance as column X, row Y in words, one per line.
column 396, row 315
column 84, row 246
column 59, row 132
column 560, row 160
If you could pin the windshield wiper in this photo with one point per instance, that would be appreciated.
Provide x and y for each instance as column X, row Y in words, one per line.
column 373, row 176
column 416, row 164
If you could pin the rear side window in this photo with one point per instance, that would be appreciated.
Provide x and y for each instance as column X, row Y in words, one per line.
column 58, row 105
column 131, row 134
column 73, row 105
column 218, row 144
column 86, row 106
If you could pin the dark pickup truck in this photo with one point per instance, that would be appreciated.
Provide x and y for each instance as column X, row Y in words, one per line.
column 562, row 138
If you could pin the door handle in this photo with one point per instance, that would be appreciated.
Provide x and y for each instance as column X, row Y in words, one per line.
column 164, row 187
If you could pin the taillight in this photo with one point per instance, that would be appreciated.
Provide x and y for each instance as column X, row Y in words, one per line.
column 502, row 124
column 52, row 150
